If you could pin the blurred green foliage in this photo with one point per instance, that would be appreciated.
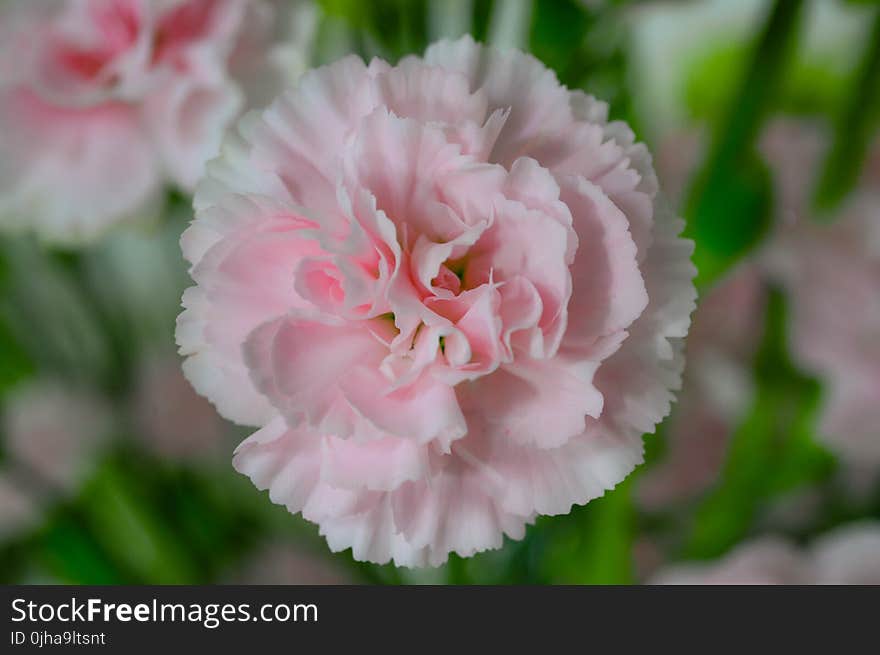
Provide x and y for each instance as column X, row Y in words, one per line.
column 855, row 125
column 773, row 450
column 731, row 202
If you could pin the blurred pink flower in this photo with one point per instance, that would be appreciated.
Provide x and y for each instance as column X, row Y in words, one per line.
column 103, row 101
column 831, row 271
column 173, row 420
column 55, row 432
column 765, row 561
column 848, row 555
column 445, row 292
column 678, row 155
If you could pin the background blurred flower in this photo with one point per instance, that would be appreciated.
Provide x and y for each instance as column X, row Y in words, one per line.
column 831, row 271
column 110, row 99
column 285, row 564
column 828, row 269
column 55, row 432
column 848, row 555
column 479, row 274
column 173, row 420
column 716, row 391
column 19, row 511
column 768, row 560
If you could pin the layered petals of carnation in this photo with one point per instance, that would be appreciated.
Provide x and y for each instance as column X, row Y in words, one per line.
column 444, row 331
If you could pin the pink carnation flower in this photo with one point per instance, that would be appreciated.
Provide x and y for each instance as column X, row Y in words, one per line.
column 848, row 555
column 445, row 292
column 103, row 101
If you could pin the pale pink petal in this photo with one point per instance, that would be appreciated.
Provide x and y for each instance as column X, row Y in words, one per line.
column 512, row 80
column 188, row 120
column 304, row 380
column 219, row 314
column 425, row 411
column 608, row 289
column 537, row 401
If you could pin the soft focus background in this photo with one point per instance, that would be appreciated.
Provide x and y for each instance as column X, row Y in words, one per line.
column 761, row 115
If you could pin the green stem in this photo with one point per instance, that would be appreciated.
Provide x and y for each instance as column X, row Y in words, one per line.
column 759, row 86
column 728, row 210
column 854, row 126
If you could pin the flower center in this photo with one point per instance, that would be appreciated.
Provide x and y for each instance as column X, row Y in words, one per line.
column 447, row 279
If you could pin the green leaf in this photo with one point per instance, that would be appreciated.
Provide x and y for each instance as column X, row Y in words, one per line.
column 809, row 86
column 129, row 527
column 729, row 207
column 15, row 365
column 392, row 28
column 558, row 29
column 594, row 544
column 731, row 213
column 854, row 129
column 71, row 553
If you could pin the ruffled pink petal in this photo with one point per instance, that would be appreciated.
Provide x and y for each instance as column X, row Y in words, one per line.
column 536, row 401
column 608, row 291
column 426, row 411
column 284, row 461
column 511, row 80
column 242, row 283
column 188, row 120
column 404, row 165
column 509, row 248
column 453, row 511
column 299, row 136
column 299, row 362
column 430, row 94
